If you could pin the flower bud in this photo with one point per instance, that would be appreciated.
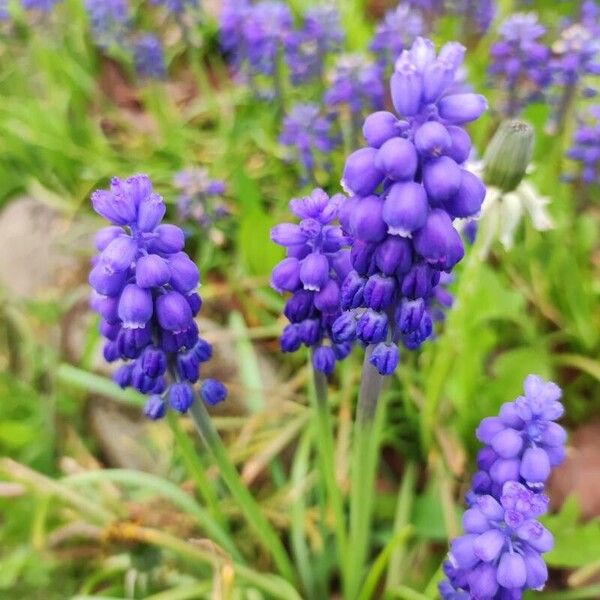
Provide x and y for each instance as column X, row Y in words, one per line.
column 344, row 327
column 379, row 292
column 327, row 299
column 394, row 256
column 405, row 208
column 437, row 239
column 106, row 283
column 151, row 210
column 361, row 176
column 441, row 178
column 379, row 127
column 367, row 220
column 213, row 392
column 181, row 397
column 106, row 235
column 372, row 327
column 155, row 408
column 288, row 234
column 314, row 271
column 406, row 86
column 290, row 338
column 135, row 306
column 173, row 312
column 460, row 147
column 397, row 158
column 385, row 358
column 286, row 275
column 168, row 239
column 309, row 331
column 324, row 359
column 462, row 108
column 432, row 139
column 352, row 291
column 468, row 199
column 185, row 276
column 151, row 271
column 153, row 362
column 508, row 155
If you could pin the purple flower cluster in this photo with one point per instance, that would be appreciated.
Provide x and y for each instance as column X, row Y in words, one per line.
column 585, row 148
column 178, row 7
column 520, row 61
column 398, row 30
column 315, row 265
column 306, row 48
column 407, row 186
column 311, row 135
column 356, row 83
column 499, row 556
column 476, row 14
column 149, row 57
column 41, row 5
column 145, row 290
column 200, row 198
column 109, row 21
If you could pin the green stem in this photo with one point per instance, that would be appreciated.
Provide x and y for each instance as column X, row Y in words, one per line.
column 365, row 450
column 401, row 521
column 256, row 519
column 326, row 450
column 196, row 469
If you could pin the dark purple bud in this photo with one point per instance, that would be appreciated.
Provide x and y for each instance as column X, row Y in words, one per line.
column 486, row 457
column 290, row 338
column 462, row 108
column 310, row 332
column 122, row 376
column 188, row 366
column 203, row 350
column 110, row 351
column 372, row 327
column 432, row 139
column 106, row 235
column 344, row 327
column 409, row 314
column 435, row 239
column 460, row 148
column 107, row 283
column 341, row 263
column 398, row 159
column 379, row 127
column 213, row 391
column 185, row 276
column 512, row 573
column 299, row 306
column 351, row 293
column 137, row 187
column 132, row 341
column 362, row 257
column 195, row 302
column 151, row 210
column 441, row 178
column 385, row 358
column 155, row 408
column 405, row 208
column 167, row 239
column 173, row 312
column 286, row 275
column 367, row 222
column 327, row 299
column 324, row 359
column 342, row 350
column 361, row 176
column 505, row 469
column 537, row 571
column 415, row 338
column 181, row 397
column 469, row 197
column 110, row 330
column 345, row 213
column 288, row 234
column 488, row 429
column 314, row 271
column 419, row 281
column 379, row 292
column 116, row 208
column 151, row 271
column 153, row 362
column 298, row 252
column 135, row 306
column 394, row 256
column 462, row 551
column 488, row 545
column 406, row 87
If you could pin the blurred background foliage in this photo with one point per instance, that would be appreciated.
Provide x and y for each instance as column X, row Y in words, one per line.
column 93, row 502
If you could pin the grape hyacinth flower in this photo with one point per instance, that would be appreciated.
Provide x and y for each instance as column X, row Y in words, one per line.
column 109, row 21
column 41, row 5
column 520, row 61
column 585, row 148
column 149, row 57
column 4, row 14
column 178, row 7
column 315, row 265
column 499, row 556
column 307, row 48
column 356, row 85
column 310, row 136
column 576, row 55
column 398, row 30
column 407, row 186
column 145, row 290
column 201, row 200
column 476, row 15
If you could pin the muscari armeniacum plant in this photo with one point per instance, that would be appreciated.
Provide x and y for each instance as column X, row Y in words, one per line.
column 585, row 148
column 500, row 554
column 145, row 290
